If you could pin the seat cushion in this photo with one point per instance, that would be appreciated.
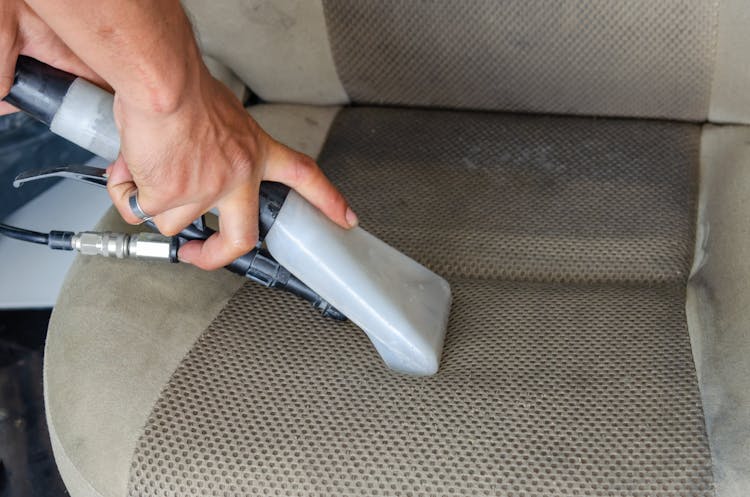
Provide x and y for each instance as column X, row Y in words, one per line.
column 567, row 367
column 544, row 389
column 484, row 195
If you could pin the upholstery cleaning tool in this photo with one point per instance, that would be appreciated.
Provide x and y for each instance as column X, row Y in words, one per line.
column 257, row 265
column 402, row 306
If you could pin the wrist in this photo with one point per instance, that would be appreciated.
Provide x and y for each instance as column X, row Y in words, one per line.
column 161, row 86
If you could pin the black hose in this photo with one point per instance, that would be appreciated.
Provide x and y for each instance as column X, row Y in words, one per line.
column 24, row 235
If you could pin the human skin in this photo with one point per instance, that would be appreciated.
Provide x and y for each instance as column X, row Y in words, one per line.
column 187, row 144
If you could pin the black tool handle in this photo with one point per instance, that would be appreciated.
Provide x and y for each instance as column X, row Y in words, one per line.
column 38, row 89
column 259, row 266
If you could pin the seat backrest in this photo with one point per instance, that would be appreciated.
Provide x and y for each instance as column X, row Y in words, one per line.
column 674, row 59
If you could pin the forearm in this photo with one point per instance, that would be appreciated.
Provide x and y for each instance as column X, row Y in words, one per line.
column 144, row 49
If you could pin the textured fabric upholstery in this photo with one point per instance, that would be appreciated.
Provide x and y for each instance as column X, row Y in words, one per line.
column 114, row 339
column 567, row 367
column 718, row 312
column 544, row 389
column 117, row 333
column 637, row 58
column 730, row 100
column 678, row 59
column 557, row 377
column 500, row 196
column 279, row 48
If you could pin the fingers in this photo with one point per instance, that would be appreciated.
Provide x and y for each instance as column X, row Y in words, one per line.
column 6, row 108
column 39, row 41
column 121, row 186
column 172, row 221
column 238, row 211
column 9, row 46
column 238, row 221
column 179, row 188
column 301, row 173
column 237, row 235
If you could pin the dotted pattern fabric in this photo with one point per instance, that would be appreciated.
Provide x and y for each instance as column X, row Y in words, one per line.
column 580, row 382
column 543, row 390
column 635, row 58
column 522, row 197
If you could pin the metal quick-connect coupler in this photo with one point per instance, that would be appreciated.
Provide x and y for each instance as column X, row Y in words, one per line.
column 144, row 246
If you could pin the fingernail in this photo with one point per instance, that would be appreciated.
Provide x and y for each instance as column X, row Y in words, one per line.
column 182, row 258
column 351, row 217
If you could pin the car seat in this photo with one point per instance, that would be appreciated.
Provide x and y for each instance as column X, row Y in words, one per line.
column 577, row 170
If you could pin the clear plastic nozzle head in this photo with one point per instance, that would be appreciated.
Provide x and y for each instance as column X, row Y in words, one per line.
column 402, row 306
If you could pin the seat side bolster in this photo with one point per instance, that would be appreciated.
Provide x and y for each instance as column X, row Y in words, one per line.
column 147, row 316
column 96, row 406
column 717, row 297
column 730, row 99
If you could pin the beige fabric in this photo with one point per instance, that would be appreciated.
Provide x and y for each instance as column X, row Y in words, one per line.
column 639, row 58
column 119, row 330
column 279, row 48
column 544, row 390
column 301, row 127
column 582, row 384
column 226, row 76
column 730, row 97
column 718, row 310
column 428, row 180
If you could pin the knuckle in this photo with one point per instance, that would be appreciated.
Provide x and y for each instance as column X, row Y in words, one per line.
column 243, row 243
column 160, row 194
column 242, row 164
column 168, row 228
column 337, row 200
column 128, row 216
column 163, row 101
column 303, row 169
column 169, row 193
column 212, row 187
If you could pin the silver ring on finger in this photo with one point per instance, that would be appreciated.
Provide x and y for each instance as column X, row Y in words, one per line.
column 135, row 208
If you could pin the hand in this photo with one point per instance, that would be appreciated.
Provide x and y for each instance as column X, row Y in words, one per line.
column 22, row 31
column 208, row 152
column 187, row 143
